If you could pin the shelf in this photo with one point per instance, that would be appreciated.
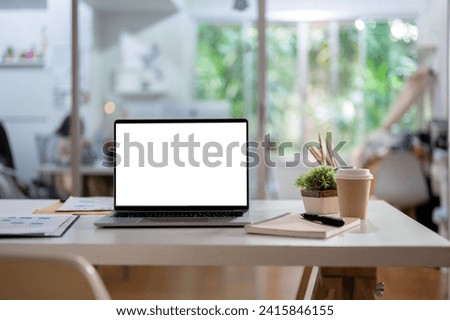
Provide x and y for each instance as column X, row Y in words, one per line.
column 163, row 7
column 141, row 94
column 22, row 64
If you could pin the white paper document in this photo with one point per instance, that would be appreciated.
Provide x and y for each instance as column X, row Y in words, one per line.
column 35, row 225
column 87, row 204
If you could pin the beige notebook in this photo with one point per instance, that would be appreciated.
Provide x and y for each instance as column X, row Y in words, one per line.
column 293, row 225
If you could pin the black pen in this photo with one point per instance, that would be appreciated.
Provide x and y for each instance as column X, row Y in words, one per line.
column 331, row 221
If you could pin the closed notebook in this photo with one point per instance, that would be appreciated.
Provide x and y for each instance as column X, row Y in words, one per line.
column 293, row 225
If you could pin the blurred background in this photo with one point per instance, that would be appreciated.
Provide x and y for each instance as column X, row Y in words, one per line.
column 374, row 74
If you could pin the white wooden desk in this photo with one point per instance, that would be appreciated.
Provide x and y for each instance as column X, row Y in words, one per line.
column 388, row 238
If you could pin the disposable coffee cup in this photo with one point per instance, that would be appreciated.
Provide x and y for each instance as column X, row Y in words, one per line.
column 353, row 186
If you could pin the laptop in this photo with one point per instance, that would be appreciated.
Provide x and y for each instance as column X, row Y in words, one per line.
column 178, row 173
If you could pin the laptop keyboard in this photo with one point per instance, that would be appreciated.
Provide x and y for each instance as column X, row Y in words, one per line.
column 177, row 214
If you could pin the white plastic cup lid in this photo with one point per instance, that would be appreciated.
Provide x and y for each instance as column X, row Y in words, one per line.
column 354, row 174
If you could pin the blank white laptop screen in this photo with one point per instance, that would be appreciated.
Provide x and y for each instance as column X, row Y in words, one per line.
column 181, row 164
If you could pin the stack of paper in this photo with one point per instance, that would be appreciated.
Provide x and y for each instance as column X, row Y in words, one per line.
column 87, row 204
column 35, row 226
column 80, row 206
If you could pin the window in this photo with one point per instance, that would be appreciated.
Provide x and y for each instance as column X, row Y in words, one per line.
column 354, row 71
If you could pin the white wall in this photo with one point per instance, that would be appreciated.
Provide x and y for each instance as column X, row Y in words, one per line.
column 28, row 103
column 174, row 35
column 432, row 41
column 25, row 94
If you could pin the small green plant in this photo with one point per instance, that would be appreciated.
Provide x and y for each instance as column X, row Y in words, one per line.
column 318, row 178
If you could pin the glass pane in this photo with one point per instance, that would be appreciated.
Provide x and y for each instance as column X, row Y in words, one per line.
column 350, row 94
column 283, row 115
column 220, row 69
column 35, row 91
column 319, row 111
column 160, row 59
column 390, row 61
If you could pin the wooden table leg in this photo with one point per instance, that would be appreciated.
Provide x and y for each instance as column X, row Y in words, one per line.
column 308, row 283
column 338, row 283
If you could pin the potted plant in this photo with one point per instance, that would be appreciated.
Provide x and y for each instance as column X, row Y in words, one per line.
column 318, row 189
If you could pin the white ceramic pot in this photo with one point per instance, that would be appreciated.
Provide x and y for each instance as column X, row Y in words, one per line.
column 320, row 202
